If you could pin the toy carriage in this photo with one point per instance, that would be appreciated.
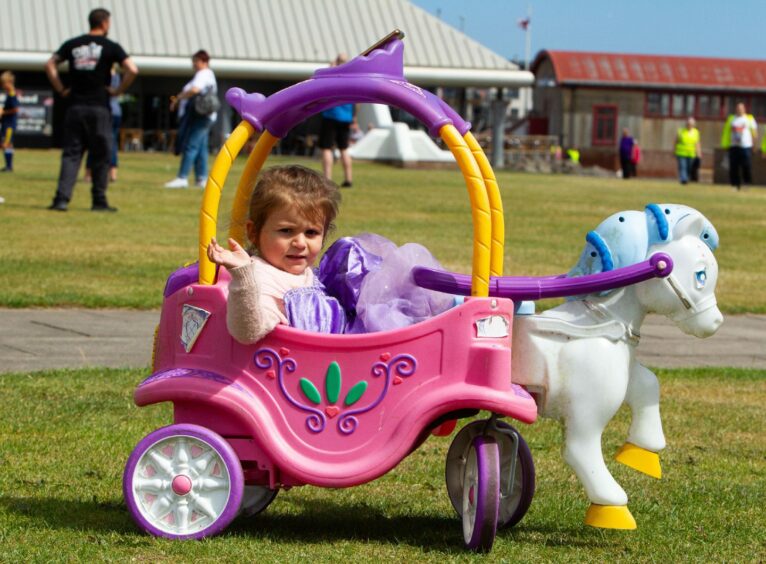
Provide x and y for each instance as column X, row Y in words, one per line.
column 339, row 410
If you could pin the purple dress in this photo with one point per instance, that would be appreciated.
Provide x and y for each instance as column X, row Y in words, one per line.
column 312, row 309
column 371, row 278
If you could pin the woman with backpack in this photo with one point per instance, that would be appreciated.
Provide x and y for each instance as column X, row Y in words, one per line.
column 197, row 104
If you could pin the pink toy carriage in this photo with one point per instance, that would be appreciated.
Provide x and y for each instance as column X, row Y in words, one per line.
column 330, row 410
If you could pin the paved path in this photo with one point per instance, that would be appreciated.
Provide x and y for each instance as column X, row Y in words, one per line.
column 39, row 339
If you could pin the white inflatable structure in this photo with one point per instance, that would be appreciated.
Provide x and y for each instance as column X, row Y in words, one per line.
column 391, row 141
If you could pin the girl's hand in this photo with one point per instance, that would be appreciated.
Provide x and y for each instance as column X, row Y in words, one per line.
column 233, row 258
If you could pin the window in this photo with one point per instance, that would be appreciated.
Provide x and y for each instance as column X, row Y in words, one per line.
column 755, row 105
column 657, row 104
column 604, row 125
column 683, row 105
column 758, row 106
column 678, row 106
column 709, row 106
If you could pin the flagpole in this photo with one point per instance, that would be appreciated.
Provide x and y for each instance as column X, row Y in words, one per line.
column 528, row 52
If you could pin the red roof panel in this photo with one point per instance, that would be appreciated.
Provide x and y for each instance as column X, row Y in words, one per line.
column 580, row 67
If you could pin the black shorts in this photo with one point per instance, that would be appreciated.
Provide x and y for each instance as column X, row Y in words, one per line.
column 333, row 132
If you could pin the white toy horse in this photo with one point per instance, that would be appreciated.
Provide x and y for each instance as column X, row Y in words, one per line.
column 579, row 360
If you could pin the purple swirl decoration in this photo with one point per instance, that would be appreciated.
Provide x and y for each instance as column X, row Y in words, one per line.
column 268, row 358
column 403, row 364
column 193, row 373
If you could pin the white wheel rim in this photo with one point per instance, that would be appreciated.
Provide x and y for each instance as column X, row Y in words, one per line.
column 470, row 493
column 181, row 485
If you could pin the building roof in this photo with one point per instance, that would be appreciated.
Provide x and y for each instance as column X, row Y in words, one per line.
column 655, row 71
column 287, row 39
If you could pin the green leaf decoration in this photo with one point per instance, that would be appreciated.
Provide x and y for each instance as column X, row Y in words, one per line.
column 310, row 391
column 332, row 382
column 355, row 393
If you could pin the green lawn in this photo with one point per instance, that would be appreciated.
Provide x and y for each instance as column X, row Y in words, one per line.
column 65, row 436
column 95, row 260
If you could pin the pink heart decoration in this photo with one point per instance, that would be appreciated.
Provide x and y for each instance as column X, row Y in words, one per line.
column 284, row 351
column 271, row 374
column 397, row 380
column 385, row 356
column 331, row 411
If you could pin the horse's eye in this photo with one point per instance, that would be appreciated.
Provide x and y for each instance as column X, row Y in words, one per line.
column 700, row 277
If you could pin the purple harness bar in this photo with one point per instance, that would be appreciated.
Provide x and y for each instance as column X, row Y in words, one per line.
column 659, row 265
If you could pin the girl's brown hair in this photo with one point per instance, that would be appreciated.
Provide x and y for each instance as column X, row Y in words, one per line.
column 311, row 195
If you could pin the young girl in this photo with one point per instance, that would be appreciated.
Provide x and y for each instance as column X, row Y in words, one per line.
column 292, row 208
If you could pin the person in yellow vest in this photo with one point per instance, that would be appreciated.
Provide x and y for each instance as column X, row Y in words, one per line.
column 739, row 134
column 687, row 149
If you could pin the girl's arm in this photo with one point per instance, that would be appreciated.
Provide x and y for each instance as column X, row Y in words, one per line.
column 247, row 319
column 249, row 315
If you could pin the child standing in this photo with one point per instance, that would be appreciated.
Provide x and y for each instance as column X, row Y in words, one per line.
column 9, row 117
column 292, row 208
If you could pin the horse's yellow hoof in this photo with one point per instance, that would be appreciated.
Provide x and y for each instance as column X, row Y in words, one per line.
column 640, row 459
column 610, row 517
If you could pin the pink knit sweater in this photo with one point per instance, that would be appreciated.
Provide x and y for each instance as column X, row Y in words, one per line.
column 256, row 298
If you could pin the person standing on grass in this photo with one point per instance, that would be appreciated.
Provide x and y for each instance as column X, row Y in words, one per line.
column 335, row 129
column 116, row 109
column 627, row 154
column 194, row 128
column 739, row 134
column 88, row 121
column 9, row 119
column 687, row 149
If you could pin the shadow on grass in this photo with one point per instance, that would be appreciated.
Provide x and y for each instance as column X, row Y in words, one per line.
column 317, row 522
column 89, row 516
column 322, row 521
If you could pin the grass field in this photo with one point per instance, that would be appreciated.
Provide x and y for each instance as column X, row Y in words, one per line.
column 122, row 260
column 65, row 436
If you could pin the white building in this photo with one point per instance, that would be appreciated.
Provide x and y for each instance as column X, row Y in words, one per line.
column 259, row 45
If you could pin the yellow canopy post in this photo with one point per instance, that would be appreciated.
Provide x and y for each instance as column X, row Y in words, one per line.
column 239, row 207
column 208, row 215
column 495, row 204
column 480, row 209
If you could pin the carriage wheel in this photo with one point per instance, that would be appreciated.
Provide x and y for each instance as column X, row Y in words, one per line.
column 183, row 482
column 255, row 499
column 514, row 500
column 481, row 494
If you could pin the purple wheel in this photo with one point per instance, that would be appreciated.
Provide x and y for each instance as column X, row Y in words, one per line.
column 515, row 497
column 183, row 482
column 481, row 494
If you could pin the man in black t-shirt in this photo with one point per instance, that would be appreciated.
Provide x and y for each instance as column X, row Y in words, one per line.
column 88, row 122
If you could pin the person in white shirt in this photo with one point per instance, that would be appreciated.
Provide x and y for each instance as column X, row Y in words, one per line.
column 194, row 128
column 743, row 132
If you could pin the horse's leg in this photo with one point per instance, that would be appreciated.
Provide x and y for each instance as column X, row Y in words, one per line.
column 645, row 438
column 594, row 393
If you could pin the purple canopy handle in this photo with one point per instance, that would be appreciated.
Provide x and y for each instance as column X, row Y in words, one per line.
column 659, row 265
column 376, row 78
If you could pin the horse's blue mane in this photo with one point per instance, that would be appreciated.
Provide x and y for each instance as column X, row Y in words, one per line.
column 624, row 238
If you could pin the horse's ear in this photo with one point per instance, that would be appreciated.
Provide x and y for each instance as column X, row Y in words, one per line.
column 660, row 222
column 691, row 224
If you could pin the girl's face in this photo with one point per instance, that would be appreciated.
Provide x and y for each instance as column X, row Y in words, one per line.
column 289, row 241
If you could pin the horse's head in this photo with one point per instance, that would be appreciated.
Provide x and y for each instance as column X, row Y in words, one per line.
column 623, row 238
column 687, row 295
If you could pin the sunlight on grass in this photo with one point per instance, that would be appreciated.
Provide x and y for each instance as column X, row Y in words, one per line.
column 65, row 436
column 122, row 260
